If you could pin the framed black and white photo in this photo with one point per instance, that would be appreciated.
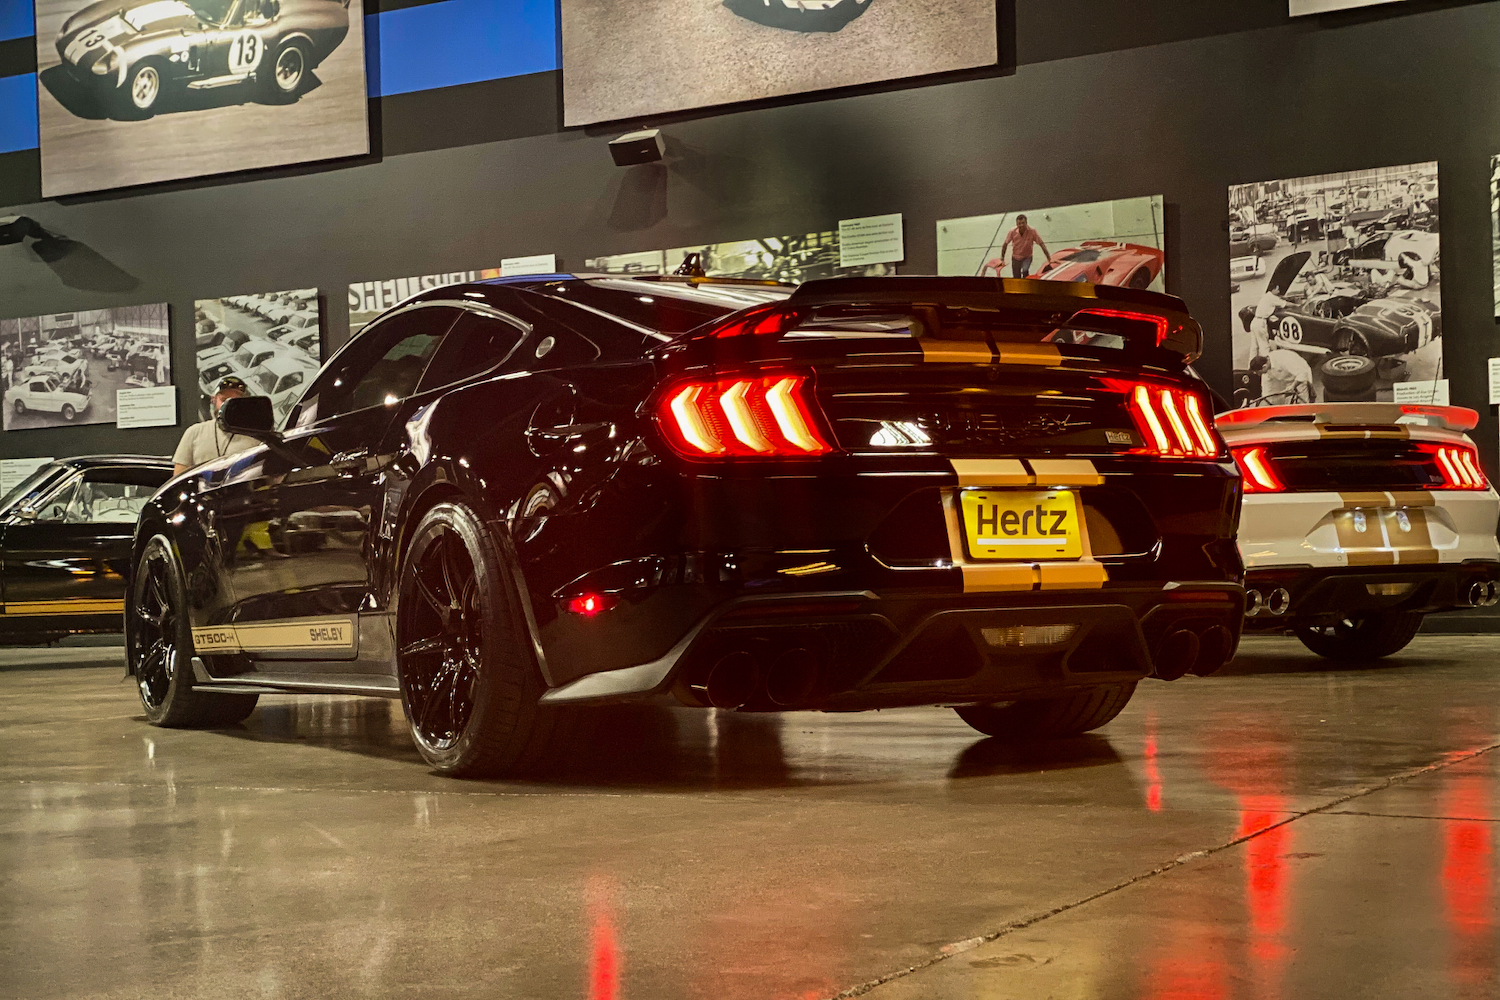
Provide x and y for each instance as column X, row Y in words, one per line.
column 794, row 258
column 66, row 368
column 142, row 91
column 1336, row 289
column 630, row 59
column 368, row 299
column 272, row 341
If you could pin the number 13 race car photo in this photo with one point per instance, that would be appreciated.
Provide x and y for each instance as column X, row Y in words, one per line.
column 505, row 499
column 1360, row 519
column 136, row 54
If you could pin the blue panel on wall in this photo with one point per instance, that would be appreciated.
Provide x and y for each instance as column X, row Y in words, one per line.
column 17, row 112
column 16, row 20
column 459, row 41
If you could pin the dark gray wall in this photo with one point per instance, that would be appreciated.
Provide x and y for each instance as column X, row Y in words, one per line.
column 1093, row 100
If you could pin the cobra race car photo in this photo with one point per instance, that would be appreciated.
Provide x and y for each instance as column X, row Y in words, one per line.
column 506, row 499
column 1360, row 519
column 135, row 55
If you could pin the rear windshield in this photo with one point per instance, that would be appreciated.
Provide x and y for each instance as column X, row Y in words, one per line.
column 666, row 307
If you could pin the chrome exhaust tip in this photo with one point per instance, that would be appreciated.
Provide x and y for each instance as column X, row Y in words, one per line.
column 1479, row 594
column 730, row 683
column 1279, row 602
column 1491, row 594
column 1254, row 603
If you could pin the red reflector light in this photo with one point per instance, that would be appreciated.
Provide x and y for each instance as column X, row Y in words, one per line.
column 1158, row 324
column 1458, row 465
column 1258, row 471
column 590, row 605
column 771, row 417
column 1173, row 422
column 762, row 321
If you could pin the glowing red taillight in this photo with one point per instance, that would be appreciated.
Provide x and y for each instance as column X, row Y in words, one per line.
column 1458, row 465
column 1173, row 422
column 590, row 605
column 772, row 417
column 1258, row 470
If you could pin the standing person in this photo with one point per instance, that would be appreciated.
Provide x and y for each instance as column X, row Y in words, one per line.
column 1019, row 242
column 1260, row 326
column 204, row 442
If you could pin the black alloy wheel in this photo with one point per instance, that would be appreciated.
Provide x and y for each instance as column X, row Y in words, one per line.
column 1362, row 639
column 159, row 647
column 442, row 642
column 470, row 683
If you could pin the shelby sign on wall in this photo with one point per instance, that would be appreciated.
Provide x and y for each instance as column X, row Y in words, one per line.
column 1321, row 6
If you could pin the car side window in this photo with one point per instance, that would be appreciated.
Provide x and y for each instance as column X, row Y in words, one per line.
column 55, row 506
column 382, row 366
column 477, row 344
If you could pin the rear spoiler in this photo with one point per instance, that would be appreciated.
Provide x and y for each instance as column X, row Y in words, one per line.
column 1453, row 418
column 1162, row 320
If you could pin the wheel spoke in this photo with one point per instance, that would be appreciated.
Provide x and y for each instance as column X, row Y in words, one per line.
column 433, row 645
column 434, row 695
column 427, row 593
column 447, row 563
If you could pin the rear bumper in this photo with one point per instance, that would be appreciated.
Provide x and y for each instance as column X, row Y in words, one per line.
column 1320, row 595
column 849, row 651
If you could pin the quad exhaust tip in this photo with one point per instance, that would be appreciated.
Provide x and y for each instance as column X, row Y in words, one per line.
column 1483, row 594
column 1275, row 603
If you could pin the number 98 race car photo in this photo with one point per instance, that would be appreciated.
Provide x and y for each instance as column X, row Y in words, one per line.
column 135, row 56
column 506, row 499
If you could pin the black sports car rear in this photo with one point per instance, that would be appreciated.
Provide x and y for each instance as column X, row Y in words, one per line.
column 507, row 498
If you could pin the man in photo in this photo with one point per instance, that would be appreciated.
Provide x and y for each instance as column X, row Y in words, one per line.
column 204, row 441
column 1020, row 241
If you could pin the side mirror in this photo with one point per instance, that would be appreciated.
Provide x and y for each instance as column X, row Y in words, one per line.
column 26, row 513
column 250, row 416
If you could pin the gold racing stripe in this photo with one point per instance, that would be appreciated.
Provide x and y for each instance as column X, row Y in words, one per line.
column 75, row 607
column 1086, row 574
column 1065, row 472
column 991, row 472
column 287, row 636
column 1336, row 432
column 1046, row 355
column 998, row 577
column 956, row 352
column 1412, row 541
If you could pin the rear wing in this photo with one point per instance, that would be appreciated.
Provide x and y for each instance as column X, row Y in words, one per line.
column 1452, row 418
column 1071, row 310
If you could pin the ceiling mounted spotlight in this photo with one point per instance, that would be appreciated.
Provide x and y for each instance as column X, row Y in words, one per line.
column 646, row 146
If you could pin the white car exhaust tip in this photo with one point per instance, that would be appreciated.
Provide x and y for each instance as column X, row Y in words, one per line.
column 1277, row 603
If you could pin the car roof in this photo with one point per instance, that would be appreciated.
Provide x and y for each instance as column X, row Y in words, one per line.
column 281, row 364
column 99, row 461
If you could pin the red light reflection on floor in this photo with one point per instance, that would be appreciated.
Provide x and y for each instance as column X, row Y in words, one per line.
column 1267, row 883
column 604, row 949
column 1468, row 884
column 1153, row 776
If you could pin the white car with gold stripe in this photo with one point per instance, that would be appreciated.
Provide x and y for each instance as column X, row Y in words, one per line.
column 1360, row 519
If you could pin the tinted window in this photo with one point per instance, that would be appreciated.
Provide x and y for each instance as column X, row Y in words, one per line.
column 32, row 487
column 475, row 345
column 383, row 364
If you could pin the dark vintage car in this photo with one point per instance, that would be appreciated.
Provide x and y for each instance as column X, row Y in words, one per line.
column 801, row 15
column 1344, row 319
column 1243, row 243
column 65, row 542
column 134, row 54
column 513, row 497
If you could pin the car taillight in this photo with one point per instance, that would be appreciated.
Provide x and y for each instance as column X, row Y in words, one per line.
column 761, row 321
column 773, row 417
column 1172, row 422
column 1458, row 465
column 1258, row 470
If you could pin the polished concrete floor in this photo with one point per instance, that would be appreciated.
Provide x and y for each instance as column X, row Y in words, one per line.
column 1278, row 831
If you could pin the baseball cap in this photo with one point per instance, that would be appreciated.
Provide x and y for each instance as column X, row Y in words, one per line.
column 229, row 382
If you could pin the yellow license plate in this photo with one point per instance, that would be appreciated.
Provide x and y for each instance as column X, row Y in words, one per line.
column 1022, row 524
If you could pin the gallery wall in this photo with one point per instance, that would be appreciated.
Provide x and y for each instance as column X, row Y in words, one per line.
column 1092, row 101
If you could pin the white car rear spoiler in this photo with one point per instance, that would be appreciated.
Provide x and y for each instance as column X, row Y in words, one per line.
column 1453, row 418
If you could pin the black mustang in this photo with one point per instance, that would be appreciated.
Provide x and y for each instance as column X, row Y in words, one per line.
column 65, row 538
column 507, row 498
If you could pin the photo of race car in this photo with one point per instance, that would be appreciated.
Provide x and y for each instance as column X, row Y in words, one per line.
column 137, row 91
column 1105, row 262
column 137, row 55
column 801, row 15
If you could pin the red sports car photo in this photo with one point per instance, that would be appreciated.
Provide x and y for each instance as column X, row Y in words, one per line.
column 1105, row 262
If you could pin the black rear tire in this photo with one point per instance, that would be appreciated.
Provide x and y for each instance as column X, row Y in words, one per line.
column 470, row 684
column 159, row 648
column 1049, row 718
column 1363, row 639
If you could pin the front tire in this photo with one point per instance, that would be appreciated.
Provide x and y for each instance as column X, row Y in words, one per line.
column 1363, row 639
column 159, row 648
column 140, row 96
column 1049, row 718
column 470, row 684
column 68, row 413
column 20, row 407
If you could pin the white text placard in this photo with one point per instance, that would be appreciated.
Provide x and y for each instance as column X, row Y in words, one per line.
column 878, row 239
column 154, row 406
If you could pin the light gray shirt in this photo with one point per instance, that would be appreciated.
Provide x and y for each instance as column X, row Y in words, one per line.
column 204, row 442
